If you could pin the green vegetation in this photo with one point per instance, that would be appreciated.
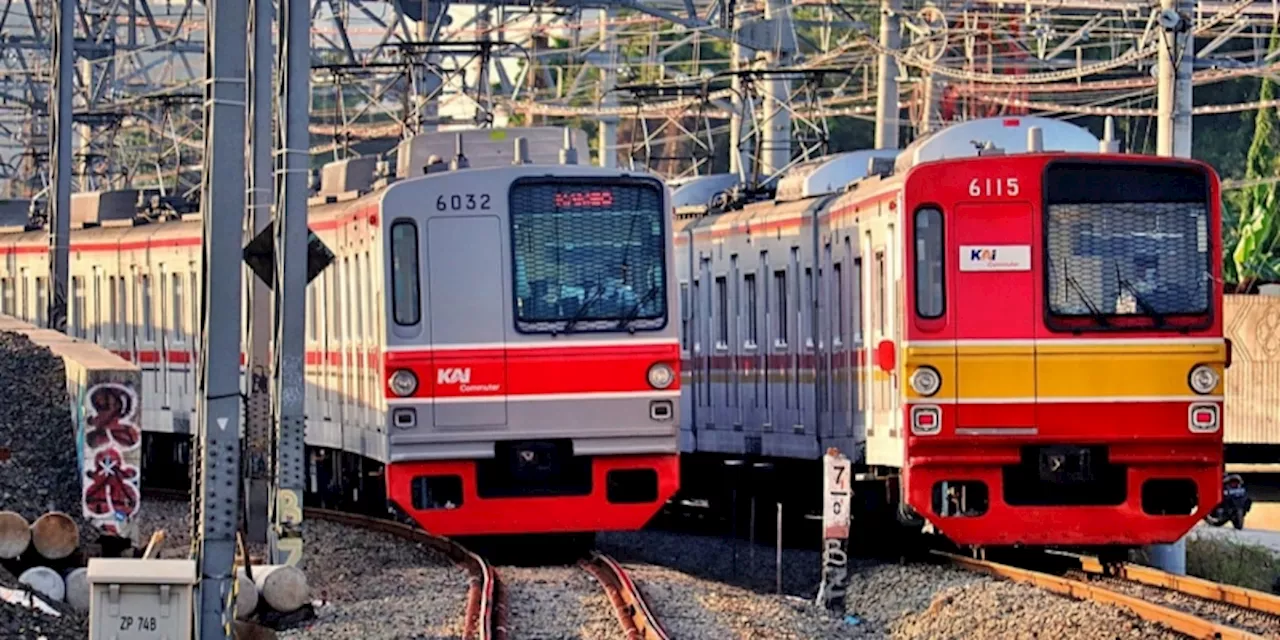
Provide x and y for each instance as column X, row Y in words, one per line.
column 1246, row 565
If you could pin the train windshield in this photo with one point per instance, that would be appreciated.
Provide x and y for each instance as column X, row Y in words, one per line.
column 588, row 255
column 1129, row 257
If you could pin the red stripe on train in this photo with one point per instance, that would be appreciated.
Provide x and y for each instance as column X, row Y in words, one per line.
column 619, row 368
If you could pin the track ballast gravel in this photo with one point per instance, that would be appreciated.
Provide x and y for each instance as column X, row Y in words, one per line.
column 369, row 585
column 556, row 603
column 911, row 601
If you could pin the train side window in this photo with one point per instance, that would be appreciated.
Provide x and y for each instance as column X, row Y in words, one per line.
column 179, row 334
column 148, row 327
column 879, row 311
column 856, row 298
column 929, row 290
column 77, row 307
column 780, row 289
column 722, row 312
column 685, row 313
column 753, row 329
column 42, row 303
column 405, row 288
column 97, row 305
column 837, row 331
column 6, row 296
column 109, row 325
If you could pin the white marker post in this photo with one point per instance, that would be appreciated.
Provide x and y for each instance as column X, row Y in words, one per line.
column 837, row 499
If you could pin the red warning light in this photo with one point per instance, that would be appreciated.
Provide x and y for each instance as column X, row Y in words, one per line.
column 584, row 199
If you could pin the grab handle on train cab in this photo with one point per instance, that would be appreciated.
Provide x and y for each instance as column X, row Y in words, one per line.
column 886, row 356
column 1227, row 364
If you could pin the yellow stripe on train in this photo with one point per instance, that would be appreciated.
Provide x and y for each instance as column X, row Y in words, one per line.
column 1050, row 370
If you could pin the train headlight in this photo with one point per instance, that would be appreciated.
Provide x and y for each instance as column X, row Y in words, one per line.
column 661, row 376
column 926, row 381
column 1203, row 379
column 404, row 383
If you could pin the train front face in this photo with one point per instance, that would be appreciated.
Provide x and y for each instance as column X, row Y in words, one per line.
column 1063, row 372
column 531, row 372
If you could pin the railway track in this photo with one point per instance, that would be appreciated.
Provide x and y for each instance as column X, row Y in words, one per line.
column 1191, row 606
column 486, row 610
column 486, row 603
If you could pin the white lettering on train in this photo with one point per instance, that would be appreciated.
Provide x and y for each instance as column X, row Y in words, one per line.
column 453, row 375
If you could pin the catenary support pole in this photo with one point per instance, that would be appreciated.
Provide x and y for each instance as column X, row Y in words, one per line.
column 608, row 133
column 59, row 196
column 887, row 108
column 1173, row 138
column 289, row 391
column 258, row 430
column 222, row 205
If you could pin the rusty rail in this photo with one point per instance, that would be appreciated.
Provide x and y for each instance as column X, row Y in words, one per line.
column 485, row 614
column 1179, row 621
column 1197, row 587
column 633, row 612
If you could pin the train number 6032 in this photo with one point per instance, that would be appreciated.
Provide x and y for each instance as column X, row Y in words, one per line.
column 463, row 202
column 979, row 187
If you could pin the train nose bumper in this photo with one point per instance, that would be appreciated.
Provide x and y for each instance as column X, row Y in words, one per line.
column 1065, row 496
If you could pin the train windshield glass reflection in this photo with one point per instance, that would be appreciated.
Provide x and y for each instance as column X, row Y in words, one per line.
column 588, row 256
column 1128, row 259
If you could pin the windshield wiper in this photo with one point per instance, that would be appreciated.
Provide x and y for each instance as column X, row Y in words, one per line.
column 1084, row 297
column 625, row 321
column 1156, row 316
column 582, row 311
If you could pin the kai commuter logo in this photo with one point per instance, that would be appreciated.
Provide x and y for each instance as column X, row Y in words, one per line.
column 1001, row 257
column 453, row 375
column 982, row 255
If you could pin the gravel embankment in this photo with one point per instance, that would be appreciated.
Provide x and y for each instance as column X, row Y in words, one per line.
column 555, row 603
column 38, row 467
column 1263, row 624
column 36, row 433
column 371, row 585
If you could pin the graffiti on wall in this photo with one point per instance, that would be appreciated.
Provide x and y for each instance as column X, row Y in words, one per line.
column 111, row 444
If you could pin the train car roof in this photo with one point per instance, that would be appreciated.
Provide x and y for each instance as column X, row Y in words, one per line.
column 696, row 192
column 829, row 174
column 962, row 140
column 486, row 147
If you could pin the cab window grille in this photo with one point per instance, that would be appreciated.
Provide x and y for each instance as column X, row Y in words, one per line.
column 588, row 255
column 1128, row 259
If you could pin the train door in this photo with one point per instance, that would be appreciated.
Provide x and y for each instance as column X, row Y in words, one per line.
column 995, row 317
column 468, row 300
column 882, row 412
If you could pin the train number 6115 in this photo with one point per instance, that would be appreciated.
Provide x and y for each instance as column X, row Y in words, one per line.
column 979, row 187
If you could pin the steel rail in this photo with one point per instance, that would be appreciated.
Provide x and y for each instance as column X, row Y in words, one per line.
column 1179, row 621
column 1258, row 601
column 637, row 620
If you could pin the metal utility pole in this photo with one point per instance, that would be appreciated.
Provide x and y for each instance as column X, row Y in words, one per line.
column 775, row 143
column 887, row 108
column 292, row 170
column 608, row 123
column 740, row 152
column 1173, row 138
column 1173, row 89
column 258, row 430
column 222, row 205
column 59, row 195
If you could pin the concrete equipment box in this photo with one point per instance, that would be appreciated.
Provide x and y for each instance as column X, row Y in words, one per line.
column 141, row 599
